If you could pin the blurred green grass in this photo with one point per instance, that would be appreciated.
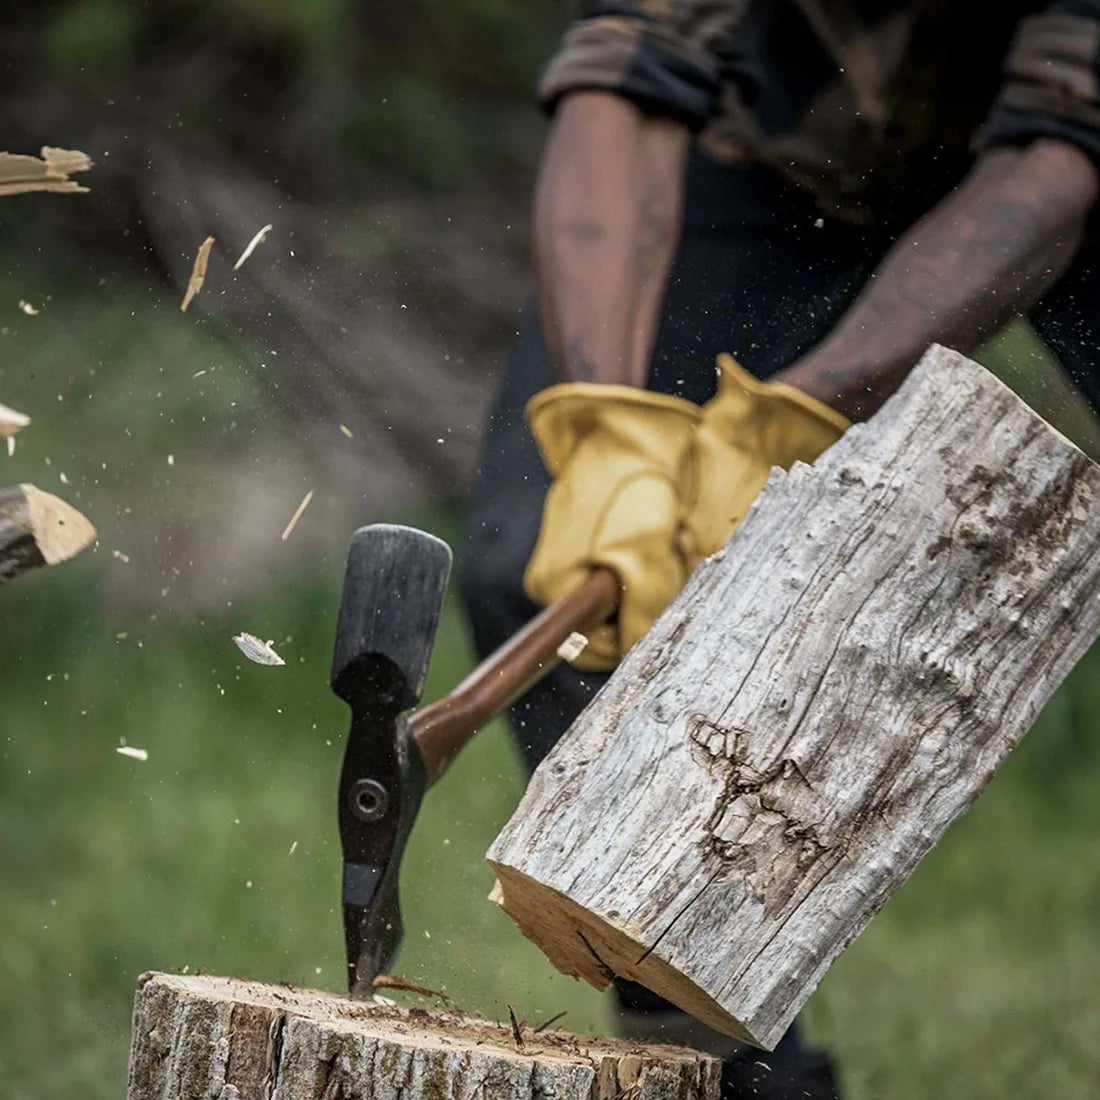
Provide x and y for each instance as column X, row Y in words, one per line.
column 978, row 980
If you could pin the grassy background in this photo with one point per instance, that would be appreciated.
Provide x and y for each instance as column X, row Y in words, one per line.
column 978, row 980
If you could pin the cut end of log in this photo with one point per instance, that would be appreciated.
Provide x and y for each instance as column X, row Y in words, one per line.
column 582, row 945
column 59, row 530
column 200, row 1036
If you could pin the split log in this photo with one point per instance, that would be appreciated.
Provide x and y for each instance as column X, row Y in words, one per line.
column 37, row 528
column 827, row 695
column 204, row 1038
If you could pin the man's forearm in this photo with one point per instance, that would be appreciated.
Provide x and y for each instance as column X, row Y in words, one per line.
column 607, row 220
column 984, row 254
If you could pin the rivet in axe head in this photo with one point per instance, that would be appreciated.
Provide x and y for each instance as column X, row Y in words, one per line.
column 368, row 800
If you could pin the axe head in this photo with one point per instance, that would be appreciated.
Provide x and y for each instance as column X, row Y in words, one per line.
column 389, row 612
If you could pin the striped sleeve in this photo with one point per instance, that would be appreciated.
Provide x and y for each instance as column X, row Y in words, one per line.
column 668, row 56
column 1052, row 80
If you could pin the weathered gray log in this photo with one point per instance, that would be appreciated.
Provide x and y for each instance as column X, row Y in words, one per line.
column 37, row 528
column 828, row 694
column 202, row 1038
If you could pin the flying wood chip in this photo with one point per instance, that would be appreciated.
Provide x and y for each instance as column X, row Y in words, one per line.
column 572, row 647
column 20, row 174
column 252, row 246
column 198, row 273
column 289, row 530
column 256, row 650
column 11, row 421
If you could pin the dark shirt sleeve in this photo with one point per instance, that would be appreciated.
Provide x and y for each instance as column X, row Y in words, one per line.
column 664, row 55
column 1052, row 81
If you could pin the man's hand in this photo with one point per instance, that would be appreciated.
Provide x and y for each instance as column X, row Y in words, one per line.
column 615, row 453
column 607, row 220
column 748, row 428
column 987, row 252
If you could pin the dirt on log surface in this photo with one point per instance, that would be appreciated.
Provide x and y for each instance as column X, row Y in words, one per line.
column 207, row 1038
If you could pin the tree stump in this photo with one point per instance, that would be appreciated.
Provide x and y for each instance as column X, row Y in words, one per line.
column 827, row 695
column 36, row 529
column 203, row 1038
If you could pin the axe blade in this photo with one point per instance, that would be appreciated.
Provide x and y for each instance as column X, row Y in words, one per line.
column 393, row 594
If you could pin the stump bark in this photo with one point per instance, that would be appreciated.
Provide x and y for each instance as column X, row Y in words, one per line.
column 204, row 1038
column 827, row 695
column 36, row 529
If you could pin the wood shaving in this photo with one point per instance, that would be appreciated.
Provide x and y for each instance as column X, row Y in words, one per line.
column 347, row 431
column 11, row 421
column 11, row 445
column 20, row 174
column 572, row 647
column 132, row 753
column 293, row 848
column 297, row 515
column 256, row 650
column 198, row 273
column 517, row 1033
column 27, row 308
column 252, row 246
column 391, row 981
column 553, row 1020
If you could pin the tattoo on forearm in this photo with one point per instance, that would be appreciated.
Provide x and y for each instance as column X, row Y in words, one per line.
column 578, row 365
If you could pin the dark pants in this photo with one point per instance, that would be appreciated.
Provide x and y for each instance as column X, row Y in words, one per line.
column 753, row 276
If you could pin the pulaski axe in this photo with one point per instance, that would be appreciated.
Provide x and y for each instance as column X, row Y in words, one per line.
column 393, row 593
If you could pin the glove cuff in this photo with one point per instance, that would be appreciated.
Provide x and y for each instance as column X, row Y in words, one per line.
column 561, row 416
column 734, row 377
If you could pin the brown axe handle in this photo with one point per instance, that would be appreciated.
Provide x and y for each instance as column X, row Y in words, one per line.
column 443, row 728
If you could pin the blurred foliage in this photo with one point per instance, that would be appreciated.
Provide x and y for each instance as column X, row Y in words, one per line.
column 417, row 88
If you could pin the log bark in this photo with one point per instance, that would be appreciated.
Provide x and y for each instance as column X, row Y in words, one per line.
column 36, row 529
column 204, row 1038
column 827, row 695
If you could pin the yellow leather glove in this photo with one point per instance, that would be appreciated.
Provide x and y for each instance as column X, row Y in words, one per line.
column 749, row 427
column 615, row 453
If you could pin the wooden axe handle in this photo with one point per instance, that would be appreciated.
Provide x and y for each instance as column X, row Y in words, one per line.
column 444, row 727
